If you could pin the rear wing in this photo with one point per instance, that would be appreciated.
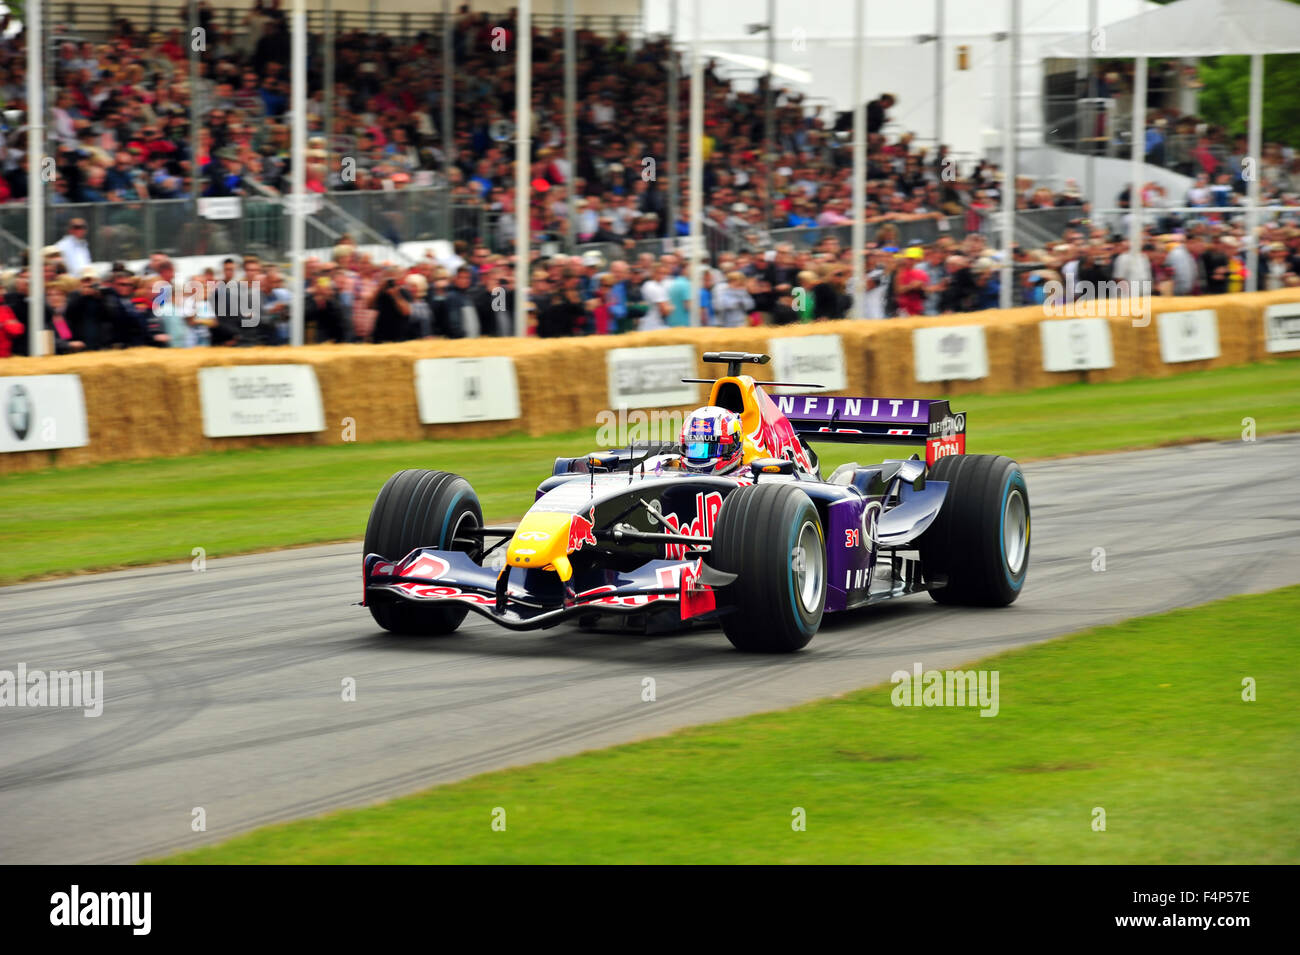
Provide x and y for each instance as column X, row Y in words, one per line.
column 905, row 421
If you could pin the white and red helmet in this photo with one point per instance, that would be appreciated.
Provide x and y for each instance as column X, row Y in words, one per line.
column 712, row 440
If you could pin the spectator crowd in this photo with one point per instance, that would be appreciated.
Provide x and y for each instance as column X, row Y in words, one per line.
column 120, row 130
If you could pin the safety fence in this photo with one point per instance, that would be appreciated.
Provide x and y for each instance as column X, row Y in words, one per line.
column 259, row 225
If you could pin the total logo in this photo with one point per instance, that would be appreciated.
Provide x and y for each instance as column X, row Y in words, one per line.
column 937, row 448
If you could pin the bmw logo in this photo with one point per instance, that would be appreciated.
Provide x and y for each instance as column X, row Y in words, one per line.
column 18, row 411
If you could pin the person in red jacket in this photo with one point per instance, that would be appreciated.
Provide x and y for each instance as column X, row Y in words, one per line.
column 11, row 333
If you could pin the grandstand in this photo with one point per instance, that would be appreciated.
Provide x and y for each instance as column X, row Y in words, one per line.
column 170, row 153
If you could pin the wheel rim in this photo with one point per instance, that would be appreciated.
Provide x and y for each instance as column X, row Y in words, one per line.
column 809, row 572
column 456, row 532
column 1015, row 531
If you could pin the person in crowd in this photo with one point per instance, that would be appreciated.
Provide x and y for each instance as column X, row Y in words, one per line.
column 73, row 247
column 392, row 307
column 732, row 301
column 324, row 314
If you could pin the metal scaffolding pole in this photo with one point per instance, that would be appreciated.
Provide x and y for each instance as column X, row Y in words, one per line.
column 196, row 188
column 938, row 78
column 1137, row 164
column 697, row 165
column 297, row 221
column 1090, row 172
column 859, row 228
column 1255, row 148
column 35, row 184
column 327, row 81
column 448, row 116
column 674, row 101
column 769, row 115
column 523, row 153
column 570, row 127
column 1010, row 119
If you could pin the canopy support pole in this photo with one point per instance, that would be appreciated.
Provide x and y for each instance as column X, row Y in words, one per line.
column 696, row 200
column 1010, row 119
column 1255, row 149
column 859, row 238
column 1139, row 155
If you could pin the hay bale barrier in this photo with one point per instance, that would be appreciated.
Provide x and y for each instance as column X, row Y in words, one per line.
column 144, row 402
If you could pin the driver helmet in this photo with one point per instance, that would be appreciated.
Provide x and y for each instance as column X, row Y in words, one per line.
column 712, row 440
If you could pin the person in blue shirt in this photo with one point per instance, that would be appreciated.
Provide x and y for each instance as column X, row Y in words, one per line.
column 273, row 97
column 679, row 297
column 798, row 219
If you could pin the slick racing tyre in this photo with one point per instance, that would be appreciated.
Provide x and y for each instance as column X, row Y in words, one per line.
column 980, row 540
column 770, row 537
column 418, row 508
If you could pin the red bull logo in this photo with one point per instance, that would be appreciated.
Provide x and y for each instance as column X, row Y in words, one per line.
column 707, row 506
column 582, row 530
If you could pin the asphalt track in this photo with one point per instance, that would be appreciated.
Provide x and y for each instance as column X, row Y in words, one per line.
column 223, row 687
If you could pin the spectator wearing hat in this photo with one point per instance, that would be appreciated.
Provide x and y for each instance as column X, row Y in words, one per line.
column 910, row 290
column 226, row 175
column 86, row 315
column 1277, row 271
column 73, row 247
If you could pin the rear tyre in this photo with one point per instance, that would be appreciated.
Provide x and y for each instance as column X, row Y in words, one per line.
column 418, row 508
column 980, row 540
column 770, row 536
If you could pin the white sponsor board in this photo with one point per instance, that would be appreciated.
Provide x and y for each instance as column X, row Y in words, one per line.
column 450, row 390
column 811, row 359
column 221, row 207
column 1282, row 327
column 243, row 400
column 954, row 353
column 1188, row 336
column 1076, row 344
column 41, row 412
column 651, row 377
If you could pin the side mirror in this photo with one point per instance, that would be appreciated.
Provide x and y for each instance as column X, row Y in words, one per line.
column 770, row 466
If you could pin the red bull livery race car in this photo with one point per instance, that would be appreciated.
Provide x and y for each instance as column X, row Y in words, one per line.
column 734, row 526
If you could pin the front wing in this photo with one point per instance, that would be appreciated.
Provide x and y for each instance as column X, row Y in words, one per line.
column 534, row 599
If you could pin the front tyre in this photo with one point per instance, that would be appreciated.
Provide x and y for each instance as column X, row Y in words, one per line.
column 980, row 540
column 418, row 508
column 771, row 537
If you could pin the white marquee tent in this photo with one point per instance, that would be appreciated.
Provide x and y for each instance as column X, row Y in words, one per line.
column 1251, row 28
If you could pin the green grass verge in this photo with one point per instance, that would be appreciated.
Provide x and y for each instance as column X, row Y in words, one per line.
column 1144, row 719
column 141, row 512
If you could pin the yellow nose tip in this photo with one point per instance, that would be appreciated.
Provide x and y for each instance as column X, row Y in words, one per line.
column 541, row 542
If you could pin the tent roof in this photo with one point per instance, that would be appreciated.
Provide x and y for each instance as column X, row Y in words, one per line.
column 1194, row 28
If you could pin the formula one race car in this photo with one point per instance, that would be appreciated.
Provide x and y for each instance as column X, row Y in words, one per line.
column 734, row 524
